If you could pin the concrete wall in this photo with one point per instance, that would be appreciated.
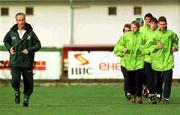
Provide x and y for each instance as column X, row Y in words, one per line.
column 50, row 23
column 92, row 24
column 95, row 26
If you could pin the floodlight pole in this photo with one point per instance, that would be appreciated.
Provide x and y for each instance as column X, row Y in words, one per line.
column 72, row 22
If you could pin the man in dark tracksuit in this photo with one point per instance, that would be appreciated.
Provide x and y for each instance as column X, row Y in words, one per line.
column 22, row 43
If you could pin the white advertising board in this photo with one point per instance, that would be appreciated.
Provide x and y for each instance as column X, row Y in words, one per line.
column 93, row 65
column 101, row 65
column 176, row 70
column 47, row 65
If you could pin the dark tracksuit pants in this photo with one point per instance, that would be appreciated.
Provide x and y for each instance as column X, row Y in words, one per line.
column 145, row 78
column 150, row 77
column 166, row 78
column 126, row 81
column 27, row 75
column 133, row 82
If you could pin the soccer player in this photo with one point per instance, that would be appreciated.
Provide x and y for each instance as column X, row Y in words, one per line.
column 128, row 49
column 144, row 30
column 147, row 65
column 127, row 28
column 164, row 44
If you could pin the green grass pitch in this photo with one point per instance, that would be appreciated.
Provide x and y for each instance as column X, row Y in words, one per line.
column 84, row 100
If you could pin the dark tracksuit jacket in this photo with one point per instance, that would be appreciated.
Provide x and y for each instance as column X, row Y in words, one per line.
column 29, row 41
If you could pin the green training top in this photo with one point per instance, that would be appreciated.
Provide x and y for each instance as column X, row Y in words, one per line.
column 163, row 59
column 133, row 59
